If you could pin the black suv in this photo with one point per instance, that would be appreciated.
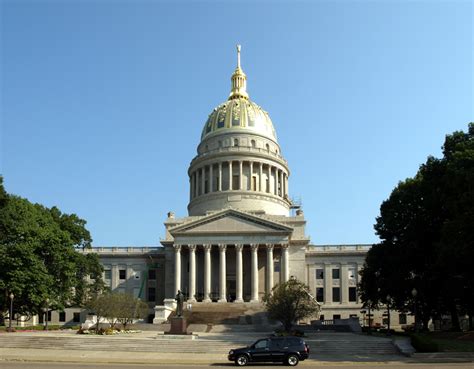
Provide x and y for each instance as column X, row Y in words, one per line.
column 289, row 350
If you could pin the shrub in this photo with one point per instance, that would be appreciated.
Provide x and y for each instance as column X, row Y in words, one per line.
column 423, row 343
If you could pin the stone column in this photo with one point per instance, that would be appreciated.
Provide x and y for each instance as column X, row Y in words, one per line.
column 210, row 178
column 275, row 187
column 286, row 186
column 254, row 290
column 269, row 279
column 238, row 273
column 260, row 177
column 219, row 185
column 285, row 263
column 207, row 273
column 251, row 178
column 177, row 268
column 192, row 273
column 230, row 175
column 222, row 273
column 344, row 283
column 115, row 277
column 327, row 283
column 269, row 179
column 203, row 180
column 241, row 176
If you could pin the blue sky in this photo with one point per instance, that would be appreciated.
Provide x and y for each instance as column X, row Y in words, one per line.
column 103, row 102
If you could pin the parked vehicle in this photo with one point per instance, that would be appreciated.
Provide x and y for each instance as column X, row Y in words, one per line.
column 289, row 350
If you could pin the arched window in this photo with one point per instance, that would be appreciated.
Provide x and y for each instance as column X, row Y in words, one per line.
column 236, row 142
column 267, row 146
column 253, row 143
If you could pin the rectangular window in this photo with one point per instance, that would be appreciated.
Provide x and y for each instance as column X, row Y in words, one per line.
column 76, row 318
column 122, row 274
column 107, row 274
column 335, row 274
column 49, row 315
column 151, row 294
column 320, row 294
column 336, row 316
column 319, row 274
column 402, row 319
column 351, row 272
column 336, row 294
column 62, row 316
column 352, row 294
column 152, row 274
column 321, row 317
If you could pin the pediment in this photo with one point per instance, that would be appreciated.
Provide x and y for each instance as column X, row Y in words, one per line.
column 230, row 222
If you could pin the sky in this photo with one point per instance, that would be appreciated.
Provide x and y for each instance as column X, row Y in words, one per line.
column 103, row 102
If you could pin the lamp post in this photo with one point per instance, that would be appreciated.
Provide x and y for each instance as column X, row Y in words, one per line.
column 388, row 314
column 414, row 292
column 46, row 315
column 10, row 329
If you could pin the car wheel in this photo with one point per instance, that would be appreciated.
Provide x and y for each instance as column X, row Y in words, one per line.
column 241, row 360
column 292, row 360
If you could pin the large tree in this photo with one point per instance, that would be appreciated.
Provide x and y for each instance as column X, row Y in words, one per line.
column 290, row 302
column 39, row 262
column 426, row 228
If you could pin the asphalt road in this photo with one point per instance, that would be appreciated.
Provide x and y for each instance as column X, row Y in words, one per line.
column 34, row 365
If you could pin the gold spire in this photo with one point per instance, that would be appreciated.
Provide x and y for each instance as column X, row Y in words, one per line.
column 239, row 81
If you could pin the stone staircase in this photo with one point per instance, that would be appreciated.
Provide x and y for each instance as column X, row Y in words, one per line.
column 321, row 343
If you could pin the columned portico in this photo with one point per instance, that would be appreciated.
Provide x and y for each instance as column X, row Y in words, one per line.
column 269, row 276
column 177, row 268
column 207, row 273
column 238, row 273
column 192, row 273
column 222, row 273
column 254, row 273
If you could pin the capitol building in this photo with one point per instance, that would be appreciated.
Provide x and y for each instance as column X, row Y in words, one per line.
column 243, row 234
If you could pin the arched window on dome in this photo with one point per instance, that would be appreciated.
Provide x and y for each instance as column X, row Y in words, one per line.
column 253, row 143
column 267, row 146
column 236, row 142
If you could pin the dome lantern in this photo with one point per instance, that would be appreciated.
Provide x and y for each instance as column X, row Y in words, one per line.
column 239, row 81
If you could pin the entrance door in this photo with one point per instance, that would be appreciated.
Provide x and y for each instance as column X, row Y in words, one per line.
column 231, row 292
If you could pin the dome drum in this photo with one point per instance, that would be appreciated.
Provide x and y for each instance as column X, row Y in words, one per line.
column 241, row 200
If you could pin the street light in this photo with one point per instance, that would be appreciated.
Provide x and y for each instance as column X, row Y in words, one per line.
column 414, row 292
column 388, row 314
column 10, row 329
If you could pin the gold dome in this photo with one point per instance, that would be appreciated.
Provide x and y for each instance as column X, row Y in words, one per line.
column 239, row 113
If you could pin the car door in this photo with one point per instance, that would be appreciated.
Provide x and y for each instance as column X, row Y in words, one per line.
column 277, row 348
column 261, row 351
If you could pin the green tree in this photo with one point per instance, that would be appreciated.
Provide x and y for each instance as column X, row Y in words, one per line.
column 130, row 308
column 290, row 302
column 426, row 228
column 39, row 260
column 118, row 307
